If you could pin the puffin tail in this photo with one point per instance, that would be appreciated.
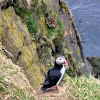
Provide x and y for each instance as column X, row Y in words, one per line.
column 43, row 88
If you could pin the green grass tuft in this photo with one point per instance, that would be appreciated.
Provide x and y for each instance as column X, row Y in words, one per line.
column 83, row 88
column 32, row 26
column 27, row 17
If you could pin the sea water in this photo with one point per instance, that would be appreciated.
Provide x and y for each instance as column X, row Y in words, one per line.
column 86, row 14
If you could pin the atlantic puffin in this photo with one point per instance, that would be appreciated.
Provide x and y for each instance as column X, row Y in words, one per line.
column 55, row 74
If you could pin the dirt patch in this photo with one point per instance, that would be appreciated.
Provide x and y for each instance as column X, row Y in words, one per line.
column 52, row 94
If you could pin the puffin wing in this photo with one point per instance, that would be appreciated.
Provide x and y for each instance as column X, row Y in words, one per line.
column 52, row 77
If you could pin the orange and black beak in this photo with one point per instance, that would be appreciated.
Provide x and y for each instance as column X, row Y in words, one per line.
column 65, row 63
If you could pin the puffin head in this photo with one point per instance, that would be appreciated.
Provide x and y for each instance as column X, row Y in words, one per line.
column 61, row 61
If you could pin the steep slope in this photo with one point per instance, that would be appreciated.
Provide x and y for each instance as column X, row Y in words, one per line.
column 13, row 82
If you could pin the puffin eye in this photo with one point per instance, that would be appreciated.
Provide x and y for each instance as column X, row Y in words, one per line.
column 60, row 59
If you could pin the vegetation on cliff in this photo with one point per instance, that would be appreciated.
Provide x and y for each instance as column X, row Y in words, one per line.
column 82, row 88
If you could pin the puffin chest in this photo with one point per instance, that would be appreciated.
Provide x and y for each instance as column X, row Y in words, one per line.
column 62, row 71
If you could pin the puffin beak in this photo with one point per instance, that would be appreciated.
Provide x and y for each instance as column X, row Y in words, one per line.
column 66, row 63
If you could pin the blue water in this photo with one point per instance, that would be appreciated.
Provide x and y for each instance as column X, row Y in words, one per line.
column 86, row 14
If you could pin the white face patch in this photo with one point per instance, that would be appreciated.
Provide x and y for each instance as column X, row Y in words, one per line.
column 60, row 60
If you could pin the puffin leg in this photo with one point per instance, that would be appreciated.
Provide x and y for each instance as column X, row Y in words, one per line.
column 57, row 88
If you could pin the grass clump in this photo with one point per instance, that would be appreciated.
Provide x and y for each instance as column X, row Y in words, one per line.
column 28, row 18
column 32, row 26
column 83, row 88
column 3, row 89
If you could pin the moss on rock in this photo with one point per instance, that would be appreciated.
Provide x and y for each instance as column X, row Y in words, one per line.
column 35, row 75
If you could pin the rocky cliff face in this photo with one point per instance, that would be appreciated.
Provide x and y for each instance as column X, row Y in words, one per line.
column 72, row 46
column 95, row 62
column 43, row 31
column 18, row 46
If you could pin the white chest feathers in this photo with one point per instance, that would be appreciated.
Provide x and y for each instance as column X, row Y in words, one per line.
column 62, row 71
